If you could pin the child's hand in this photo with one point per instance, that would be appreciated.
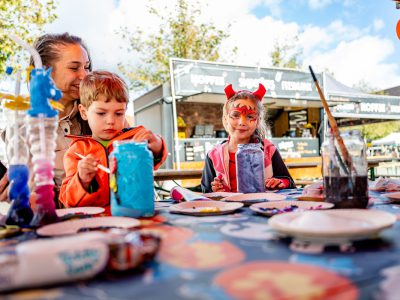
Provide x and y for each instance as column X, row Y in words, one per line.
column 4, row 188
column 274, row 183
column 153, row 140
column 87, row 169
column 217, row 185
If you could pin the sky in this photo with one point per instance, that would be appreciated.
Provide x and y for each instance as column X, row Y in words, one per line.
column 355, row 40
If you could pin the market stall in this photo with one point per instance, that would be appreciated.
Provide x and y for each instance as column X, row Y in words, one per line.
column 187, row 111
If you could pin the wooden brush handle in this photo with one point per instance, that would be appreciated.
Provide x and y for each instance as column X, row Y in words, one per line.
column 332, row 122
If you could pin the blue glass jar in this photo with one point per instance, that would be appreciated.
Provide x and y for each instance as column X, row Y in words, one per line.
column 250, row 168
column 131, row 181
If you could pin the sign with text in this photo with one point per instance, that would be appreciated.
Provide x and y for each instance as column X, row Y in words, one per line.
column 297, row 118
column 378, row 107
column 194, row 77
column 297, row 147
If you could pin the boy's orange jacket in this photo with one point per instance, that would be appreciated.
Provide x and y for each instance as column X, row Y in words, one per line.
column 72, row 194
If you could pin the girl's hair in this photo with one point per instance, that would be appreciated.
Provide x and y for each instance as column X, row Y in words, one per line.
column 261, row 114
column 105, row 83
column 46, row 46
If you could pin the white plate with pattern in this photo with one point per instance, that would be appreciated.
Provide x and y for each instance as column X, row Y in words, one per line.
column 278, row 207
column 248, row 199
column 89, row 210
column 204, row 208
column 87, row 224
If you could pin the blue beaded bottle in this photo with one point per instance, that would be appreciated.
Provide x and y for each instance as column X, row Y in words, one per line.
column 131, row 181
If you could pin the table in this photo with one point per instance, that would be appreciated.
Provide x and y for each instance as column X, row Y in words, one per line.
column 172, row 174
column 202, row 256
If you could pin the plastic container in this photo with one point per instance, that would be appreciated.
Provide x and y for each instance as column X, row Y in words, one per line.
column 20, row 212
column 250, row 168
column 345, row 185
column 131, row 181
column 42, row 139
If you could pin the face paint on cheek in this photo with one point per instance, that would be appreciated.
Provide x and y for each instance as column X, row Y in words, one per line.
column 248, row 114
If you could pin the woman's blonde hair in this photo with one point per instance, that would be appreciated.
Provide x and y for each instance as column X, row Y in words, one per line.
column 105, row 83
column 261, row 114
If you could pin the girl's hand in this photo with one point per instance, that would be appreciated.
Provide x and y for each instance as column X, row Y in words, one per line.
column 153, row 140
column 87, row 169
column 274, row 183
column 217, row 185
column 4, row 188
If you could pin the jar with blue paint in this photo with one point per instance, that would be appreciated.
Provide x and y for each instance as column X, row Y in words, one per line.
column 131, row 180
column 250, row 168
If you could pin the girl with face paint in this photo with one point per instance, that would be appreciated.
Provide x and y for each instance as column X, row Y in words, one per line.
column 243, row 119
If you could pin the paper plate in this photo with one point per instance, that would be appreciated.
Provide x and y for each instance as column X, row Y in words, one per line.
column 310, row 198
column 277, row 207
column 90, row 210
column 204, row 208
column 219, row 195
column 73, row 226
column 325, row 225
column 394, row 197
column 251, row 198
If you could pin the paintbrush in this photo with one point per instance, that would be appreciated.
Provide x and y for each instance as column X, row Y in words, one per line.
column 100, row 166
column 334, row 127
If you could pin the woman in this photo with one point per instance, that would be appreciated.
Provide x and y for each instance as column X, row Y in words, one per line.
column 70, row 60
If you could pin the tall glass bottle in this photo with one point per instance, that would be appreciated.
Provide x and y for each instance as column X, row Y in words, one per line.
column 250, row 168
column 20, row 212
column 345, row 185
column 131, row 181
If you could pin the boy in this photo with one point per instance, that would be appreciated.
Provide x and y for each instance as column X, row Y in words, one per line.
column 104, row 99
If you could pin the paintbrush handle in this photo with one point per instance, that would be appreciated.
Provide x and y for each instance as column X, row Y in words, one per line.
column 100, row 166
column 332, row 122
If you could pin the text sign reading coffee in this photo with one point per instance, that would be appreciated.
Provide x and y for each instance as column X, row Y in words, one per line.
column 192, row 77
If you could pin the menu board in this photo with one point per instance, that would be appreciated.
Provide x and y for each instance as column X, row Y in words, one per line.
column 297, row 147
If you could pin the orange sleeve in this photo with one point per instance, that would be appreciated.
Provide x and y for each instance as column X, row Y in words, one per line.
column 72, row 193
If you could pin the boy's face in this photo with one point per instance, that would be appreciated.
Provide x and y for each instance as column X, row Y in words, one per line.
column 106, row 119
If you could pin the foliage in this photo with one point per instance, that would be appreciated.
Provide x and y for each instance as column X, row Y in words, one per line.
column 180, row 35
column 285, row 56
column 377, row 130
column 25, row 19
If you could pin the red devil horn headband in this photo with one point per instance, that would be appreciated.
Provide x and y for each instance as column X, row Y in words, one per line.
column 259, row 94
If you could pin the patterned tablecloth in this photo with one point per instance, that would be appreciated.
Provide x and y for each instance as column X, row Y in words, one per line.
column 238, row 256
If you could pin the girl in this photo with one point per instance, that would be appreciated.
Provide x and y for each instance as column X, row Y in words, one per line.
column 243, row 119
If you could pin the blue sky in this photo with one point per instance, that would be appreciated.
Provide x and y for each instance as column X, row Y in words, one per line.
column 353, row 39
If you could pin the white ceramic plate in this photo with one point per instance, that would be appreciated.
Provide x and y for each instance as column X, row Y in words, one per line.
column 278, row 207
column 251, row 198
column 204, row 208
column 219, row 195
column 73, row 226
column 394, row 197
column 90, row 210
column 319, row 198
column 324, row 225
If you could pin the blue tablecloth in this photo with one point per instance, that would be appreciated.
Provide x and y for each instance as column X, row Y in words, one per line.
column 239, row 256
